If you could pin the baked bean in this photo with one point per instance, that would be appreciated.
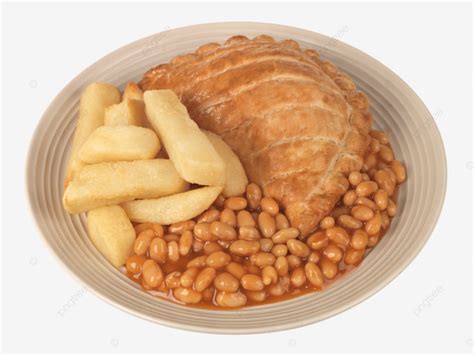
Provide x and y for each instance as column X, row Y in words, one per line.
column 353, row 256
column 385, row 220
column 173, row 251
column 142, row 242
column 364, row 201
column 187, row 295
column 226, row 282
column 249, row 233
column 366, row 188
column 236, row 269
column 181, row 227
column 399, row 171
column 349, row 198
column 385, row 153
column 370, row 161
column 162, row 288
column 266, row 224
column 313, row 274
column 380, row 165
column 141, row 227
column 144, row 284
column 159, row 250
column 252, row 269
column 204, row 279
column 365, row 177
column 157, row 228
column 218, row 259
column 336, row 212
column 355, row 178
column 327, row 222
column 318, row 240
column 252, row 282
column 333, row 253
column 231, row 299
column 314, row 257
column 393, row 177
column 359, row 239
column 223, row 231
column 188, row 276
column 281, row 266
column 199, row 261
column 269, row 275
column 152, row 274
column 328, row 268
column 298, row 248
column 281, row 222
column 171, row 237
column 380, row 136
column 347, row 221
column 280, row 250
column 228, row 217
column 254, row 195
column 293, row 261
column 372, row 172
column 262, row 259
column 256, row 296
column 134, row 263
column 198, row 245
column 381, row 199
column 373, row 240
column 269, row 205
column 244, row 247
column 362, row 213
column 224, row 243
column 185, row 242
column 209, row 216
column 382, row 178
column 391, row 208
column 211, row 247
column 374, row 145
column 374, row 225
column 245, row 219
column 235, row 203
column 298, row 277
column 284, row 235
column 280, row 288
column 172, row 280
column 338, row 235
column 208, row 294
column 219, row 202
column 203, row 231
column 266, row 244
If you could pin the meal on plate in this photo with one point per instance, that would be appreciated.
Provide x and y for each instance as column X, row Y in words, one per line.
column 240, row 174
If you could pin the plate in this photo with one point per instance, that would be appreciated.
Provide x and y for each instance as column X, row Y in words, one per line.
column 396, row 108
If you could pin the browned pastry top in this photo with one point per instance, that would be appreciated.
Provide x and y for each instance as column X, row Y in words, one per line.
column 298, row 124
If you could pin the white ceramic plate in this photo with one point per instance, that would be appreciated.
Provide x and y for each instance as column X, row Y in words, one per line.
column 396, row 109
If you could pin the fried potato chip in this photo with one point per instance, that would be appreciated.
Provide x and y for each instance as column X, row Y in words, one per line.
column 94, row 100
column 119, row 143
column 172, row 209
column 236, row 179
column 112, row 233
column 188, row 148
column 128, row 112
column 132, row 92
column 112, row 183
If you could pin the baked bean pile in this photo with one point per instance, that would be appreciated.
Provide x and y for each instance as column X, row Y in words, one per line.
column 243, row 251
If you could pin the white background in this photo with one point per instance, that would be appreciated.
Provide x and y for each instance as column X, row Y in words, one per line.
column 427, row 308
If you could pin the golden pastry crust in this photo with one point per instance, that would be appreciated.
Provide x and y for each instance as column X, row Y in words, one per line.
column 297, row 123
